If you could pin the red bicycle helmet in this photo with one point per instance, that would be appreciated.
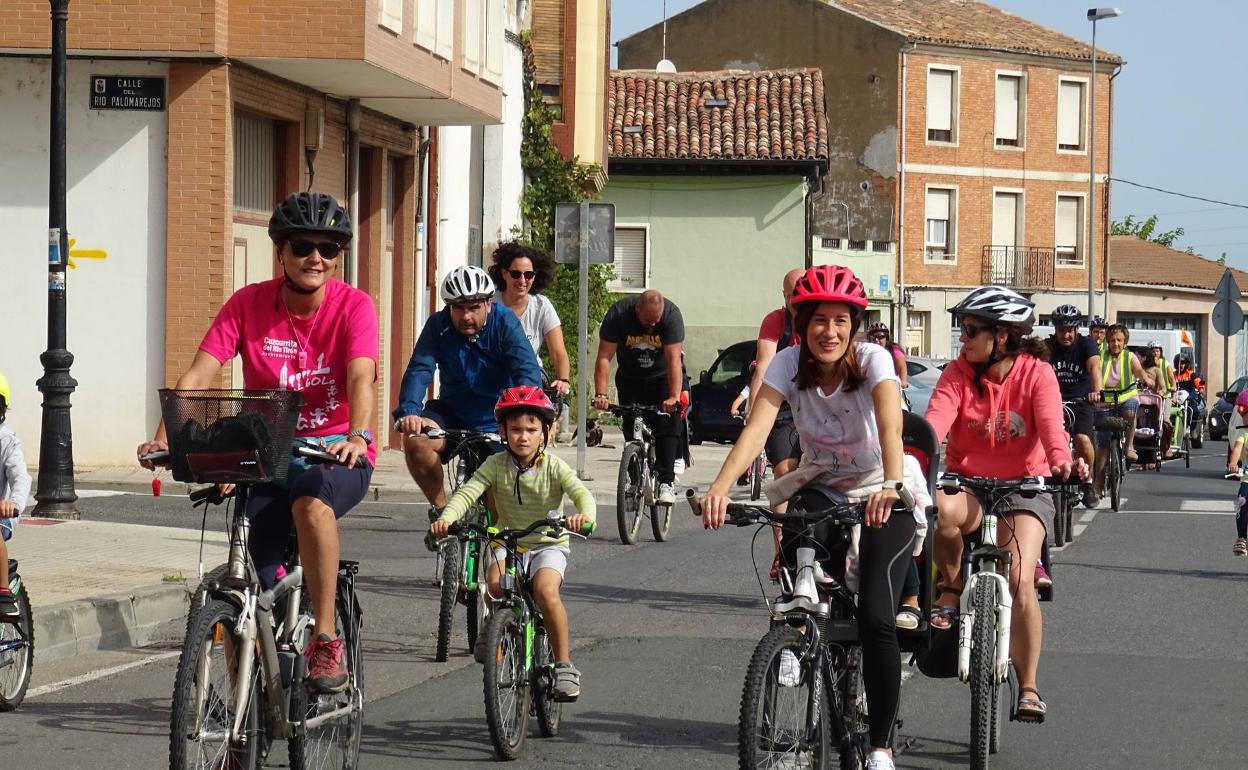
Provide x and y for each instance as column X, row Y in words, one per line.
column 830, row 283
column 526, row 398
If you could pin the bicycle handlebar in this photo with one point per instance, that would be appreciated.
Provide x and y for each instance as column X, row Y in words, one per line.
column 487, row 438
column 953, row 483
column 743, row 515
column 557, row 527
column 630, row 409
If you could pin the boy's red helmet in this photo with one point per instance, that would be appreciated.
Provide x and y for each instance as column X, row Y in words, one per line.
column 1241, row 402
column 830, row 283
column 526, row 398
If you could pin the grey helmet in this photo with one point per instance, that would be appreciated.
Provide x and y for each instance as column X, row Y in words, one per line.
column 310, row 212
column 467, row 283
column 1067, row 315
column 1154, row 344
column 998, row 305
column 1098, row 323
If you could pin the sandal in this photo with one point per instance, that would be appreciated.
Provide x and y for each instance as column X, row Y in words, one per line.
column 942, row 618
column 1030, row 710
column 908, row 617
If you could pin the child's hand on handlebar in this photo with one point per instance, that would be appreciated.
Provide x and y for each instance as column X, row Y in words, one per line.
column 438, row 528
column 577, row 521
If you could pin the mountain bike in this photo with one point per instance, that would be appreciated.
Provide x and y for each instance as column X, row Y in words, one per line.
column 459, row 570
column 519, row 675
column 239, row 684
column 985, row 608
column 638, row 480
column 17, row 645
column 803, row 703
column 1116, row 467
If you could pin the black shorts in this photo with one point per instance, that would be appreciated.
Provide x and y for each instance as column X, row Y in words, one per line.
column 1085, row 418
column 783, row 442
column 441, row 413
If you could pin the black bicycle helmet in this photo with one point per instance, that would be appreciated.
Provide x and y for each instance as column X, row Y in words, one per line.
column 999, row 306
column 1067, row 315
column 1098, row 323
column 310, row 212
column 879, row 327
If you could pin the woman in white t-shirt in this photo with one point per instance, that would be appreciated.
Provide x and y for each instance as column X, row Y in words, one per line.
column 846, row 403
column 521, row 272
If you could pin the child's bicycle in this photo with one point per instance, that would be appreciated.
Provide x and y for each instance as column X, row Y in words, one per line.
column 17, row 646
column 519, row 664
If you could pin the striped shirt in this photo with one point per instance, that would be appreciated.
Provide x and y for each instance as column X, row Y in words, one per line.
column 522, row 497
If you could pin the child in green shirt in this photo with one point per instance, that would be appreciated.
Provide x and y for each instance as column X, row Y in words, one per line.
column 525, row 483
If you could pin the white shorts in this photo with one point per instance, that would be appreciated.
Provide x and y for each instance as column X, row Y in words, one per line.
column 543, row 557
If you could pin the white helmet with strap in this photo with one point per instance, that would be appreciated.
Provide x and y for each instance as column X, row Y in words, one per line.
column 998, row 305
column 467, row 283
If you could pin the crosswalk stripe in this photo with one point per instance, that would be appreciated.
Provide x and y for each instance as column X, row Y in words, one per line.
column 1221, row 506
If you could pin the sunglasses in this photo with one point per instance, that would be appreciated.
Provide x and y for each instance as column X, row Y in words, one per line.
column 971, row 331
column 879, row 336
column 518, row 274
column 303, row 249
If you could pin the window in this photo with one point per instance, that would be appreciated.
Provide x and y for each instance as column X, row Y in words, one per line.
column 942, row 105
column 1071, row 120
column 631, row 258
column 733, row 365
column 435, row 26
column 882, row 247
column 940, row 209
column 392, row 15
column 857, row 245
column 1009, row 115
column 830, row 243
column 255, row 164
column 1069, row 233
column 483, row 39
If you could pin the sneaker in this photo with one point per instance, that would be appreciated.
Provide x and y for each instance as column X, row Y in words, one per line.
column 679, row 466
column 1042, row 577
column 567, row 683
column 1241, row 549
column 666, row 495
column 8, row 605
column 879, row 760
column 1089, row 497
column 327, row 672
column 790, row 669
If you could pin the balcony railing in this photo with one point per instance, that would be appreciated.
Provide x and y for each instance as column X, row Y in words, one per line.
column 1027, row 268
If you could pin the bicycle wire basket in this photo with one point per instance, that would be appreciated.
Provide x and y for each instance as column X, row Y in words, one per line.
column 229, row 436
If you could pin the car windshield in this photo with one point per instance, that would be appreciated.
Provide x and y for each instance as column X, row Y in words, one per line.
column 733, row 365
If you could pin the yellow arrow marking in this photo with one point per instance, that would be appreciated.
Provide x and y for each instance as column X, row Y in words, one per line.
column 84, row 254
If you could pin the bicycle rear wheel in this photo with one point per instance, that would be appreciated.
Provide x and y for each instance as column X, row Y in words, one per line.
column 17, row 651
column 984, row 695
column 1114, row 480
column 1059, row 522
column 779, row 695
column 628, row 496
column 549, row 711
column 507, row 691
column 205, row 696
column 451, row 574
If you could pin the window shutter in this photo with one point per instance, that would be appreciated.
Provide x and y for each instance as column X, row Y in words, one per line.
column 938, row 204
column 472, row 35
column 940, row 100
column 255, row 167
column 1069, row 114
column 1008, row 88
column 630, row 258
column 1005, row 219
column 427, row 24
column 446, row 29
column 495, row 24
column 1067, row 222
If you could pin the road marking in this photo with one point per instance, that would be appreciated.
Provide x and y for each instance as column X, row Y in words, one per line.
column 1224, row 506
column 48, row 689
column 1079, row 528
column 1088, row 516
column 1183, row 513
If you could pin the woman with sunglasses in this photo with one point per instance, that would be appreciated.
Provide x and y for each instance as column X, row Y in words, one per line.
column 1000, row 405
column 310, row 332
column 879, row 334
column 522, row 272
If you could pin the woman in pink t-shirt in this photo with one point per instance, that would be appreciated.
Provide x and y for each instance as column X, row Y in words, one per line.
column 309, row 332
column 1000, row 406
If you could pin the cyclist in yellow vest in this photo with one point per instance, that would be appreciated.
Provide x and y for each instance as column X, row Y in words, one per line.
column 1121, row 375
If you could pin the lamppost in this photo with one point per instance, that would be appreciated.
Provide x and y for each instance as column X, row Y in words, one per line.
column 55, row 493
column 1094, row 15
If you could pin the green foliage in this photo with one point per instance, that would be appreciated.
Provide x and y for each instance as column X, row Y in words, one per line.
column 1222, row 259
column 1146, row 229
column 551, row 178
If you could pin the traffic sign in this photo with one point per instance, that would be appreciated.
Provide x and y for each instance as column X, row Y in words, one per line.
column 601, row 233
column 1228, row 317
column 1227, row 288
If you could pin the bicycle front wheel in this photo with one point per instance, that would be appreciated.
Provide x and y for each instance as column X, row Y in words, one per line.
column 205, row 696
column 450, row 593
column 17, row 652
column 782, row 722
column 1115, row 477
column 628, row 496
column 984, row 695
column 506, row 686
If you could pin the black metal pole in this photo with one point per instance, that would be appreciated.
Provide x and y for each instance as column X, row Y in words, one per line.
column 55, row 493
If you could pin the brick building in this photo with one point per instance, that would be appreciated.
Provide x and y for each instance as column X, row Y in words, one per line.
column 259, row 99
column 959, row 141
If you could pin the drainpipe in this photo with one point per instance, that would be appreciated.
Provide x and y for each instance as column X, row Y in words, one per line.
column 1109, row 168
column 422, row 217
column 814, row 190
column 353, row 187
column 900, row 328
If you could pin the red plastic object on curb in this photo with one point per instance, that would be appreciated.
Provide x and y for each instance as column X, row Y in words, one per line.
column 156, row 487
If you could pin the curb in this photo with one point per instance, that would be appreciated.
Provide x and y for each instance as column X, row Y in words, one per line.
column 110, row 622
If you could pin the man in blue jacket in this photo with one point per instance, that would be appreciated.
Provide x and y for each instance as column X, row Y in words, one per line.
column 480, row 350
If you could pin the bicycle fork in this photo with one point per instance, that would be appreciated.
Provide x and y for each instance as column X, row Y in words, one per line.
column 1004, row 610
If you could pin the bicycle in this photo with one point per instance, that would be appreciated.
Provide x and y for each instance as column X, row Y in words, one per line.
column 519, row 675
column 985, row 608
column 754, row 474
column 239, row 684
column 803, row 703
column 1116, row 466
column 638, row 480
column 458, row 567
column 1064, row 520
column 17, row 645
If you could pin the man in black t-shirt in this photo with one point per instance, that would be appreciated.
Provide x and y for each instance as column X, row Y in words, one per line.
column 1076, row 361
column 646, row 334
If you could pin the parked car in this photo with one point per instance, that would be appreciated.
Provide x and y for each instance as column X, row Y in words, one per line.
column 925, row 371
column 711, row 397
column 1220, row 414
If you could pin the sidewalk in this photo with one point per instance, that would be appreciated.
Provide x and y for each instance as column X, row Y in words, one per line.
column 104, row 585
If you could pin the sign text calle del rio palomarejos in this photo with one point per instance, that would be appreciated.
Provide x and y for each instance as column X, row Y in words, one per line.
column 125, row 92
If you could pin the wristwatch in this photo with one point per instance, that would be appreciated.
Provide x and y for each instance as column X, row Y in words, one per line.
column 363, row 433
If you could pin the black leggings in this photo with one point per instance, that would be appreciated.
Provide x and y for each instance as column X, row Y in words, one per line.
column 667, row 431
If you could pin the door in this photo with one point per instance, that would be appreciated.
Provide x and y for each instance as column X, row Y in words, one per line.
column 255, row 194
column 1006, row 257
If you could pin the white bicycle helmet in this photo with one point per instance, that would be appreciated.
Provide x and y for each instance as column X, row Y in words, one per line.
column 467, row 283
column 1000, row 306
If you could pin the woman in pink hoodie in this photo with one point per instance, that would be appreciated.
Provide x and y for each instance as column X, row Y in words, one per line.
column 1000, row 406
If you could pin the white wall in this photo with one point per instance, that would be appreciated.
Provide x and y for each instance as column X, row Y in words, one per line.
column 116, row 202
column 504, row 177
column 454, row 182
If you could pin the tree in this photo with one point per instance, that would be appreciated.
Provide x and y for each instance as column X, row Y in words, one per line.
column 1222, row 259
column 1145, row 229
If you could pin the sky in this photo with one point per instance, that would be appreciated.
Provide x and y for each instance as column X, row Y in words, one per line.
column 1179, row 104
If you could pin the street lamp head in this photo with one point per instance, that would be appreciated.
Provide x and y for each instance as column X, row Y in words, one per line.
column 1096, row 14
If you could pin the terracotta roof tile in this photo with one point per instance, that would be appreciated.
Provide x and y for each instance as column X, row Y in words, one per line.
column 971, row 24
column 1133, row 260
column 769, row 115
